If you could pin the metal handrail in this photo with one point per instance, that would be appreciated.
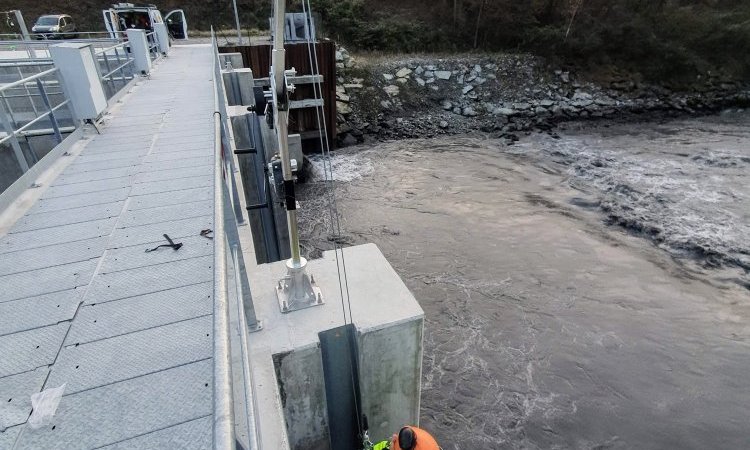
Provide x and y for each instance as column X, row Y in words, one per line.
column 108, row 75
column 117, row 51
column 23, row 128
column 24, row 62
column 11, row 123
column 229, row 237
column 224, row 437
column 26, row 80
column 47, row 43
column 106, row 49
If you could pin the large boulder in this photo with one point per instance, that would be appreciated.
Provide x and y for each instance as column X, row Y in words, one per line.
column 391, row 90
column 343, row 108
column 443, row 74
column 503, row 112
column 403, row 72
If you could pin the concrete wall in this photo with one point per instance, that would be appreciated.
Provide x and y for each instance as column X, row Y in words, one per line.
column 390, row 366
column 390, row 371
column 299, row 375
column 239, row 84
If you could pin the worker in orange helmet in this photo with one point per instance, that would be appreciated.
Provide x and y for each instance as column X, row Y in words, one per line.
column 408, row 438
column 413, row 438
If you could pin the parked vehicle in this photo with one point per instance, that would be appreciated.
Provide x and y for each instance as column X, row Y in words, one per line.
column 127, row 15
column 54, row 26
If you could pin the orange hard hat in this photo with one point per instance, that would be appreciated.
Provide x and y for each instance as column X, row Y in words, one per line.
column 413, row 438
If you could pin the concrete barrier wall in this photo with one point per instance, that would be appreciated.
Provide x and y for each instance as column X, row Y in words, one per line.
column 389, row 328
column 390, row 367
column 299, row 375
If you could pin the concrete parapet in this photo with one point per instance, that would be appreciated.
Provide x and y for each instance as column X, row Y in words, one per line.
column 239, row 84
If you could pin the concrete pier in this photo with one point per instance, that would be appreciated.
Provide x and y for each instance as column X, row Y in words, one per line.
column 286, row 355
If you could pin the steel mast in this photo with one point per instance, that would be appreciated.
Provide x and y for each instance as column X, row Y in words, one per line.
column 297, row 289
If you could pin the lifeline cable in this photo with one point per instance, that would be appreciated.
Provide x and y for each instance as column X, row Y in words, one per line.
column 332, row 208
column 326, row 153
column 327, row 168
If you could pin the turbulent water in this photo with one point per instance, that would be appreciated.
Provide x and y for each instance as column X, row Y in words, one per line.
column 582, row 290
column 684, row 184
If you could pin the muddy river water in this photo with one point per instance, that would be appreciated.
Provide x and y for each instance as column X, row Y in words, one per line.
column 582, row 290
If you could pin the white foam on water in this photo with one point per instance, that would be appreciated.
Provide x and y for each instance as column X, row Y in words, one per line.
column 345, row 167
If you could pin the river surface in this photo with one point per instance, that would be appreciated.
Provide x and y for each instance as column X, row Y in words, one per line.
column 586, row 289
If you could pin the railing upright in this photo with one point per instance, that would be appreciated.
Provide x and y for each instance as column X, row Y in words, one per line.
column 28, row 93
column 13, row 128
column 50, row 110
column 20, row 157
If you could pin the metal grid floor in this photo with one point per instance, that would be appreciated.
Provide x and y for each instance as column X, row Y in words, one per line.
column 129, row 333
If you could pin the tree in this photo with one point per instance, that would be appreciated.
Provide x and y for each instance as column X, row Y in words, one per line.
column 574, row 6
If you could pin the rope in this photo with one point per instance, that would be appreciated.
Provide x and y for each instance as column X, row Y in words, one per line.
column 332, row 207
column 326, row 153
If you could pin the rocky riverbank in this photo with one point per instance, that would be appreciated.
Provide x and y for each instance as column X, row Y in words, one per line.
column 501, row 94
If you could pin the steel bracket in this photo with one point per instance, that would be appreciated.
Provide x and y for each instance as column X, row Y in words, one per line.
column 297, row 290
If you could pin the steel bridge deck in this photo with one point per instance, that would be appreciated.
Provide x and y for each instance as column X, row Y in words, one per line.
column 129, row 333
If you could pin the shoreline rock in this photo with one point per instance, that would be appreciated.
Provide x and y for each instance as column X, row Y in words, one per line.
column 501, row 94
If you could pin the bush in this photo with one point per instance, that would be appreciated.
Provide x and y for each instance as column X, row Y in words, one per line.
column 672, row 40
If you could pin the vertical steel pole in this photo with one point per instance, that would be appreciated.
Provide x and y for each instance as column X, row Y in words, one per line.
column 50, row 112
column 122, row 68
column 14, row 140
column 281, row 117
column 28, row 93
column 24, row 32
column 297, row 289
column 12, row 119
column 237, row 22
column 109, row 73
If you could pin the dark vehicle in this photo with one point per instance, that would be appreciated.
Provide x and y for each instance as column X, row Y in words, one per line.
column 56, row 26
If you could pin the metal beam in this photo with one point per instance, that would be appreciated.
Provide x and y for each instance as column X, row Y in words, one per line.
column 306, row 103
column 299, row 79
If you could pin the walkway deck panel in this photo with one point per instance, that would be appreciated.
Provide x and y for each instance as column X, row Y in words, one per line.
column 129, row 333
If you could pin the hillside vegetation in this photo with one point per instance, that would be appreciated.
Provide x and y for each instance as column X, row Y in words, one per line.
column 674, row 40
column 661, row 39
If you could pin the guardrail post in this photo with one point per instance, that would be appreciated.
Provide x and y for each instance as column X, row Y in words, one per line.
column 139, row 50
column 79, row 75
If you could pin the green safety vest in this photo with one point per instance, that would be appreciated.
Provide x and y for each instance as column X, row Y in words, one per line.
column 384, row 445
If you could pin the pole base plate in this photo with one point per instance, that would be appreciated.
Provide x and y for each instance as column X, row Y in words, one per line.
column 297, row 290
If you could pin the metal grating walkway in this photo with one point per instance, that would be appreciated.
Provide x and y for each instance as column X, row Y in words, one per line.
column 130, row 333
